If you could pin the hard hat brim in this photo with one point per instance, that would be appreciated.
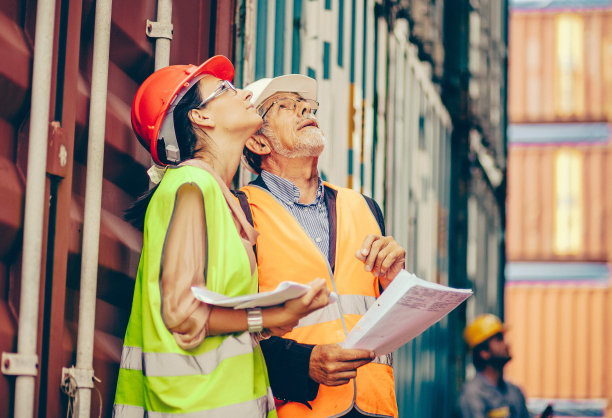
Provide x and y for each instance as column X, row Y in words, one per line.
column 290, row 83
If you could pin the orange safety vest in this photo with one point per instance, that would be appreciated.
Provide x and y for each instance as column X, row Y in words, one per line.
column 286, row 252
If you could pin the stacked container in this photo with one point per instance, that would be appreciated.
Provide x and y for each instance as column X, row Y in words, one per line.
column 559, row 225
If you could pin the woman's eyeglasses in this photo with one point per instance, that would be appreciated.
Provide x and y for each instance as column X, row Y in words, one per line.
column 223, row 87
column 290, row 103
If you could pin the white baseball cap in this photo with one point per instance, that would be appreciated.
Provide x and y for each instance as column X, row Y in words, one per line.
column 290, row 83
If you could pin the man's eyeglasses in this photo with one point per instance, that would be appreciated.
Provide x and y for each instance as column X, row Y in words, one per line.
column 290, row 103
column 223, row 87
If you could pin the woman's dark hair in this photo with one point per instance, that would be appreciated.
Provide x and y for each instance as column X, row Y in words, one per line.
column 187, row 142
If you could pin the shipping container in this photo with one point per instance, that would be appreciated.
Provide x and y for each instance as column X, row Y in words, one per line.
column 559, row 329
column 559, row 65
column 125, row 164
column 559, row 202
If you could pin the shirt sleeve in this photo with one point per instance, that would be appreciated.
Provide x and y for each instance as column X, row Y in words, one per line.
column 523, row 412
column 183, row 265
column 288, row 365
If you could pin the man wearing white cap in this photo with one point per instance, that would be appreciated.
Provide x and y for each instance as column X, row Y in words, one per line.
column 309, row 228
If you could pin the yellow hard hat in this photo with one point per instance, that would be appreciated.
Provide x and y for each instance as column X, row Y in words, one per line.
column 482, row 328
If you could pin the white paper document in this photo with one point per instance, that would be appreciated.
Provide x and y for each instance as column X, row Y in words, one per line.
column 406, row 308
column 283, row 292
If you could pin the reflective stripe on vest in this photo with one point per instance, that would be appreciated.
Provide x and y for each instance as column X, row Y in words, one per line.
column 156, row 375
column 284, row 248
column 175, row 364
column 349, row 305
column 259, row 407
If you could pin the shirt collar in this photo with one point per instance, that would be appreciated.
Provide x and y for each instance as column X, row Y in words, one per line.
column 285, row 191
column 500, row 386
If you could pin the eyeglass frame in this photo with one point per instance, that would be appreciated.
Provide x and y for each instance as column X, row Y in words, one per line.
column 296, row 100
column 225, row 85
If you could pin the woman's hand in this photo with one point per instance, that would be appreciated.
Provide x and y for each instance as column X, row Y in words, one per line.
column 316, row 298
column 283, row 318
column 280, row 331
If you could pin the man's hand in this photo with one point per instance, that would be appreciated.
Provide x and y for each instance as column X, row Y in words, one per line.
column 332, row 365
column 383, row 256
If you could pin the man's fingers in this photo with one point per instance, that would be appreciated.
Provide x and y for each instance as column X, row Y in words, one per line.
column 383, row 255
column 363, row 252
column 337, row 382
column 377, row 246
column 396, row 255
column 353, row 354
column 340, row 378
column 344, row 366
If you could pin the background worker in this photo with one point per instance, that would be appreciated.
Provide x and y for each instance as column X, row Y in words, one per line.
column 488, row 395
column 309, row 228
column 180, row 355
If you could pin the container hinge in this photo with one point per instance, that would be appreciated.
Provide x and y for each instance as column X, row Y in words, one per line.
column 73, row 378
column 16, row 364
column 159, row 29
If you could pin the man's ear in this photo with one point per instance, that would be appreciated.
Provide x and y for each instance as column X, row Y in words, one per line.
column 201, row 118
column 485, row 354
column 258, row 144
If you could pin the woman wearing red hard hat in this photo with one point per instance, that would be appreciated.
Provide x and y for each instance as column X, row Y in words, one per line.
column 181, row 355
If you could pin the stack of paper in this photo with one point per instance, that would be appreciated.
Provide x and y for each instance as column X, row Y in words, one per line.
column 406, row 308
column 283, row 292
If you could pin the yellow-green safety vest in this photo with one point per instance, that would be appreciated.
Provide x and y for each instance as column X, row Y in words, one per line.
column 226, row 375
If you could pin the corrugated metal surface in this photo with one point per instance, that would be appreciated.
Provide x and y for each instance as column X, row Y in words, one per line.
column 559, row 203
column 426, row 21
column 487, row 62
column 15, row 75
column 559, row 66
column 560, row 338
column 125, row 163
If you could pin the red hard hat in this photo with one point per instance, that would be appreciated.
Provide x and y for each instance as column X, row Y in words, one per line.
column 159, row 94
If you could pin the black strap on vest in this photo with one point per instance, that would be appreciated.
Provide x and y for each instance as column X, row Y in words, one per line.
column 377, row 213
column 244, row 204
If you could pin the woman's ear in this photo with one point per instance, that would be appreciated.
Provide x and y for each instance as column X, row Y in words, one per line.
column 258, row 144
column 201, row 118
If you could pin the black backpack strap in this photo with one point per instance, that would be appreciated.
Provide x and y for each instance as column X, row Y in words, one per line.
column 246, row 208
column 244, row 204
column 376, row 212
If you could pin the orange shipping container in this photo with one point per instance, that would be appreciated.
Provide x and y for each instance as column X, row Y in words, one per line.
column 560, row 337
column 559, row 66
column 559, row 202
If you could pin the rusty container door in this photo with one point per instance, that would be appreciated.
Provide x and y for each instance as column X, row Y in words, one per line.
column 15, row 79
column 559, row 66
column 201, row 28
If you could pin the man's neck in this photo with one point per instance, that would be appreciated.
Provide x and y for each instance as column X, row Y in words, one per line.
column 302, row 172
column 492, row 375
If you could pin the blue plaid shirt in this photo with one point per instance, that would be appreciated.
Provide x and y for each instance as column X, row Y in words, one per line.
column 312, row 216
